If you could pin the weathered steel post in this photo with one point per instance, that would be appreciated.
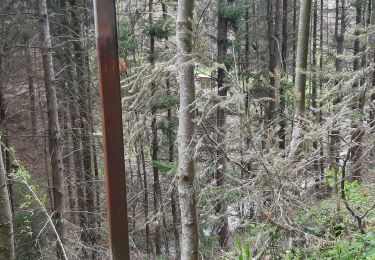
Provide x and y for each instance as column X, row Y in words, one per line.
column 110, row 94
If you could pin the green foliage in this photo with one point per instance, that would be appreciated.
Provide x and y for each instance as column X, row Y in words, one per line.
column 243, row 250
column 351, row 188
column 153, row 57
column 126, row 42
column 353, row 194
column 287, row 83
column 168, row 128
column 359, row 246
column 295, row 254
column 21, row 174
column 126, row 47
column 250, row 234
column 213, row 193
column 161, row 29
column 329, row 173
column 165, row 166
column 26, row 226
column 28, row 222
column 165, row 102
column 356, row 116
column 229, row 63
column 357, row 2
column 207, row 242
column 233, row 12
column 315, row 228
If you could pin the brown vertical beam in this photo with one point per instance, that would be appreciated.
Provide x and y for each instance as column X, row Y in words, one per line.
column 110, row 94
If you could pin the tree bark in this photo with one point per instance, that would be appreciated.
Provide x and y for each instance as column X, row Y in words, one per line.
column 68, row 169
column 356, row 152
column 284, row 54
column 53, row 126
column 84, row 114
column 6, row 224
column 221, row 163
column 301, row 67
column 186, row 129
column 314, row 91
column 294, row 39
column 154, row 145
column 145, row 202
column 72, row 93
column 357, row 32
column 171, row 140
column 276, row 59
column 371, row 14
column 334, row 145
column 7, row 250
column 284, row 44
column 321, row 149
column 30, row 80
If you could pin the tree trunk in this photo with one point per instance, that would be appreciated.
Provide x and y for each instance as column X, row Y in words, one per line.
column 72, row 93
column 68, row 169
column 97, row 180
column 294, row 39
column 269, row 110
column 171, row 140
column 84, row 113
column 301, row 67
column 334, row 145
column 145, row 203
column 30, row 80
column 186, row 128
column 371, row 13
column 314, row 93
column 357, row 32
column 284, row 53
column 53, row 126
column 221, row 164
column 276, row 59
column 78, row 162
column 339, row 34
column 6, row 223
column 356, row 152
column 154, row 145
column 321, row 149
column 284, row 44
column 247, row 43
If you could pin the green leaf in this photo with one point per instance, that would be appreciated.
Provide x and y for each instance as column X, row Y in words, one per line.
column 164, row 166
column 165, row 102
column 161, row 29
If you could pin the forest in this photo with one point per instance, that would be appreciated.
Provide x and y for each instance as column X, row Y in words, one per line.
column 182, row 129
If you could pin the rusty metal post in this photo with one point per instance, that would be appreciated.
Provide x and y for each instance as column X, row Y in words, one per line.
column 110, row 95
